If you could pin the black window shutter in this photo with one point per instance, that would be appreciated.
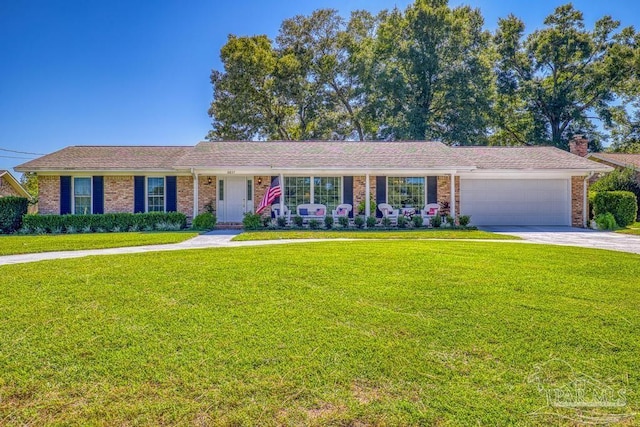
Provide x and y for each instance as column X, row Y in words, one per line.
column 432, row 189
column 98, row 195
column 381, row 193
column 65, row 195
column 138, row 194
column 347, row 191
column 171, row 195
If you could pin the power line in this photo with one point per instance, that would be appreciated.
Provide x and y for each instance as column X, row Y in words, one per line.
column 16, row 157
column 21, row 152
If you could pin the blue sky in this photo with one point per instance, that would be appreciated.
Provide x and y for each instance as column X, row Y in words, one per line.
column 132, row 72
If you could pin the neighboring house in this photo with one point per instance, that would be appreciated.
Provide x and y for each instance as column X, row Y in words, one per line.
column 9, row 186
column 618, row 161
column 495, row 185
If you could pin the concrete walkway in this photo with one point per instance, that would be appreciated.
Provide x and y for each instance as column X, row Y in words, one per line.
column 569, row 236
column 564, row 236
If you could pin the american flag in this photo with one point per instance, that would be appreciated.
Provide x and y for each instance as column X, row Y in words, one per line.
column 272, row 193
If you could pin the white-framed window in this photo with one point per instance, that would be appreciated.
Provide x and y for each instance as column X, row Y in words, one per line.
column 325, row 190
column 406, row 191
column 155, row 194
column 81, row 195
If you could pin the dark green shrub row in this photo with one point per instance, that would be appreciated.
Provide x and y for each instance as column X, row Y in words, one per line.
column 618, row 180
column 623, row 205
column 12, row 209
column 104, row 222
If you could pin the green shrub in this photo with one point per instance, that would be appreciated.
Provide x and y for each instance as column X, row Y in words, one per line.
column 464, row 220
column 107, row 222
column 371, row 221
column 12, row 209
column 451, row 221
column 403, row 221
column 436, row 221
column 314, row 224
column 358, row 221
column 618, row 180
column 204, row 221
column 606, row 221
column 623, row 205
column 372, row 205
column 386, row 222
column 298, row 221
column 281, row 221
column 343, row 221
column 417, row 221
column 252, row 221
column 328, row 222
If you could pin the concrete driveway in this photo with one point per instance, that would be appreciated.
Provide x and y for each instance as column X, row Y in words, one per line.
column 569, row 236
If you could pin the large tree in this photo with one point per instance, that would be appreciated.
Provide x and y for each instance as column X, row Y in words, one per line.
column 558, row 79
column 431, row 74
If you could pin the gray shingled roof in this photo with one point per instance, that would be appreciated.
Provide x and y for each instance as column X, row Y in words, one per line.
column 623, row 159
column 87, row 157
column 527, row 158
column 328, row 154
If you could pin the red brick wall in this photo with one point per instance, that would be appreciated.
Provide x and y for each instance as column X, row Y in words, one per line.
column 207, row 192
column 185, row 195
column 444, row 192
column 6, row 189
column 48, row 194
column 577, row 201
column 360, row 190
column 118, row 194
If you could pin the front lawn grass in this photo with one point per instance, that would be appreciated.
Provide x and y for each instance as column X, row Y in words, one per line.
column 329, row 333
column 371, row 234
column 19, row 244
column 631, row 229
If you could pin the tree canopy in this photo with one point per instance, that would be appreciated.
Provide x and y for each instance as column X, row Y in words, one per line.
column 431, row 72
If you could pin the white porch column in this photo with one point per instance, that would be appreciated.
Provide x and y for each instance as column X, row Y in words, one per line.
column 281, row 195
column 195, row 194
column 453, row 195
column 367, row 197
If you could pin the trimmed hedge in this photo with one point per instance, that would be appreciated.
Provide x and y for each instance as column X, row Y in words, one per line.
column 204, row 221
column 12, row 209
column 623, row 205
column 104, row 222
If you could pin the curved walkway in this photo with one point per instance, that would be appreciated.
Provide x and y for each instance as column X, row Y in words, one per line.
column 564, row 236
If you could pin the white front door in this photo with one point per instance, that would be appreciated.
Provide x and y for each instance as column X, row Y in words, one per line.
column 233, row 200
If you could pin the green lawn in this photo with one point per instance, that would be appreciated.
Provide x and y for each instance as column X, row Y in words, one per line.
column 376, row 234
column 17, row 244
column 631, row 229
column 329, row 333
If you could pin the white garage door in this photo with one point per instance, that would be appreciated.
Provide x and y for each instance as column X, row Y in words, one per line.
column 516, row 201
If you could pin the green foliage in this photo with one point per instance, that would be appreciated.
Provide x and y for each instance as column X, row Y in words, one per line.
column 623, row 205
column 553, row 81
column 403, row 222
column 29, row 181
column 386, row 222
column 358, row 221
column 314, row 224
column 450, row 221
column 371, row 221
column 464, row 220
column 252, row 221
column 106, row 222
column 436, row 221
column 618, row 180
column 417, row 221
column 12, row 209
column 343, row 221
column 298, row 221
column 328, row 222
column 606, row 221
column 204, row 221
column 281, row 221
column 372, row 205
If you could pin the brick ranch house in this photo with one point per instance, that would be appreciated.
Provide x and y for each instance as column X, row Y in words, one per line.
column 495, row 185
column 9, row 186
column 618, row 161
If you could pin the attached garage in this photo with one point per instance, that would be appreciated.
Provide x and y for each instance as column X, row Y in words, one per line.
column 516, row 201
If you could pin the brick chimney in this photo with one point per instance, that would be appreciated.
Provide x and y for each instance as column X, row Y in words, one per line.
column 578, row 145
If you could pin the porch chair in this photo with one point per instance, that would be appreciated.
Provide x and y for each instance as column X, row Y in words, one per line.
column 430, row 210
column 276, row 211
column 388, row 212
column 341, row 210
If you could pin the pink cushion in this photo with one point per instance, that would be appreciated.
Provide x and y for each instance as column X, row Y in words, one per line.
column 342, row 211
column 433, row 211
column 319, row 211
